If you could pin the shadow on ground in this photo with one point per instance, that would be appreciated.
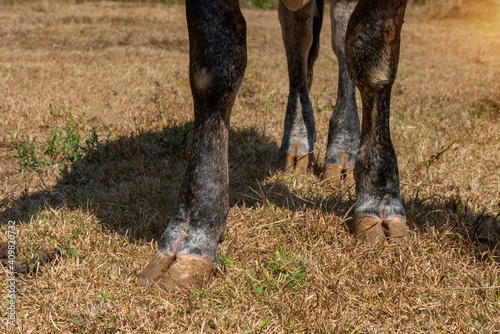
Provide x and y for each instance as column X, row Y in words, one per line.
column 131, row 185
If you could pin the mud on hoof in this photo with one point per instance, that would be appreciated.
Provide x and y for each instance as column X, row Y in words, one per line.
column 299, row 163
column 374, row 231
column 172, row 273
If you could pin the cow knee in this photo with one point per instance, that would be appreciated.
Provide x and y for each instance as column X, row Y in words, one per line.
column 370, row 65
column 218, row 55
column 372, row 46
column 216, row 78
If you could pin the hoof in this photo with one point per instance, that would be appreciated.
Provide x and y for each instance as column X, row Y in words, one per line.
column 290, row 163
column 374, row 231
column 369, row 230
column 172, row 273
column 395, row 229
column 337, row 172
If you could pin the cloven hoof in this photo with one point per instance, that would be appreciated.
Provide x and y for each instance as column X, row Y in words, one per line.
column 374, row 231
column 291, row 163
column 335, row 172
column 172, row 273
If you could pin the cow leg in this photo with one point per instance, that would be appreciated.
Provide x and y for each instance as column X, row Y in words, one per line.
column 344, row 130
column 300, row 31
column 217, row 50
column 372, row 55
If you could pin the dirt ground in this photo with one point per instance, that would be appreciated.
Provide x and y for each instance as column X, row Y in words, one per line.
column 95, row 132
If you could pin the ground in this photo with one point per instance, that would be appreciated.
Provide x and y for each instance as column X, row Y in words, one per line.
column 95, row 127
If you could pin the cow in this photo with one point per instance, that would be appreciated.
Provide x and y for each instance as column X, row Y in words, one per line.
column 366, row 42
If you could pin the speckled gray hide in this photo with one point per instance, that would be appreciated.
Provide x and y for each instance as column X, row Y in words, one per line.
column 369, row 56
column 372, row 56
column 300, row 31
column 217, row 50
column 344, row 130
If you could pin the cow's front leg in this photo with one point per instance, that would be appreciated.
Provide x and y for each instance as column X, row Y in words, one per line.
column 188, row 247
column 372, row 55
column 300, row 30
column 344, row 130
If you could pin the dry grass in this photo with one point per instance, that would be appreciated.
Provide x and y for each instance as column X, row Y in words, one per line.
column 288, row 262
column 465, row 9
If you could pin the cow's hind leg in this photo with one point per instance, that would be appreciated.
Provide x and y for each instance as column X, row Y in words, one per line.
column 300, row 30
column 372, row 55
column 344, row 130
column 188, row 247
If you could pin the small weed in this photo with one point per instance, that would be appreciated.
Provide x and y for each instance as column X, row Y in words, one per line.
column 96, row 151
column 27, row 158
column 65, row 149
column 69, row 251
column 104, row 296
column 264, row 323
column 261, row 285
column 176, row 138
column 260, row 289
column 262, row 4
column 319, row 107
column 435, row 157
column 225, row 260
column 4, row 304
column 284, row 266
